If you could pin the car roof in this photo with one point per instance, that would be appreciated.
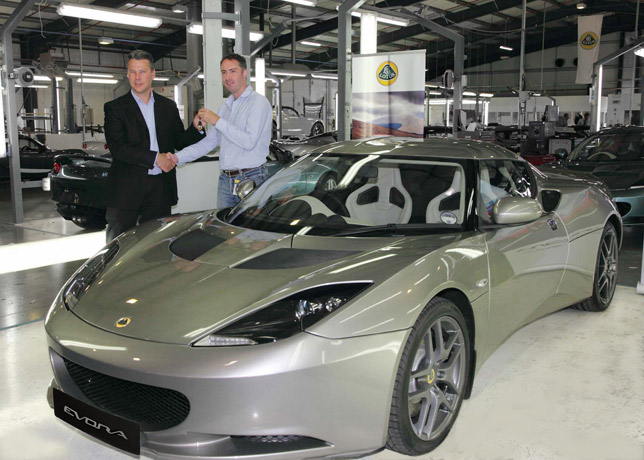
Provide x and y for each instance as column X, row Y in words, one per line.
column 438, row 147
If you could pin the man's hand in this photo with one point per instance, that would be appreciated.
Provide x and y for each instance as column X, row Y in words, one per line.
column 174, row 158
column 196, row 121
column 208, row 116
column 164, row 161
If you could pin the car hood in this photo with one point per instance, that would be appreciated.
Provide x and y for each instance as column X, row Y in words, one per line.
column 616, row 175
column 179, row 282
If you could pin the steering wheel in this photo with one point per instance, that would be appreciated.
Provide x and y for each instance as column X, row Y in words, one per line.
column 332, row 199
column 610, row 156
column 317, row 207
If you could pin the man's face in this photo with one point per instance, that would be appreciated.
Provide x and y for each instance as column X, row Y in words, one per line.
column 233, row 76
column 140, row 76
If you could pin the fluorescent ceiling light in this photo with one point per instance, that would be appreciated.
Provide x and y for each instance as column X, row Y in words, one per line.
column 105, row 41
column 34, row 86
column 507, row 48
column 435, row 93
column 104, row 81
column 307, row 43
column 73, row 73
column 303, row 2
column 179, row 8
column 108, row 15
column 581, row 6
column 201, row 76
column 265, row 78
column 323, row 76
column 639, row 52
column 486, row 94
column 430, row 85
column 162, row 78
column 468, row 93
column 197, row 28
column 289, row 73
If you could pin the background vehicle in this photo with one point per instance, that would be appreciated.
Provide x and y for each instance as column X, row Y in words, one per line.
column 616, row 156
column 296, row 126
column 34, row 156
column 370, row 304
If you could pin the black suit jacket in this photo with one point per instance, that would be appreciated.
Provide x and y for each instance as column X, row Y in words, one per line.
column 128, row 139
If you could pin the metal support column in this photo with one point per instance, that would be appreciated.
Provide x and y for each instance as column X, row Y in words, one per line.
column 11, row 109
column 212, row 43
column 344, row 67
column 522, row 102
column 293, row 32
column 242, row 29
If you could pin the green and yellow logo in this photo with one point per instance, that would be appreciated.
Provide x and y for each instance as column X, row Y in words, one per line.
column 387, row 73
column 588, row 40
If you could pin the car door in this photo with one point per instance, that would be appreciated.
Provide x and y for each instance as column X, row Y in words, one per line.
column 526, row 261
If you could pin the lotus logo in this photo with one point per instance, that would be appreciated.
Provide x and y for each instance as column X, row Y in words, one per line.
column 387, row 73
column 122, row 322
column 588, row 40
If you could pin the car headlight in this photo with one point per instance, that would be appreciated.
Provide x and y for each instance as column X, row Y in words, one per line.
column 285, row 317
column 85, row 276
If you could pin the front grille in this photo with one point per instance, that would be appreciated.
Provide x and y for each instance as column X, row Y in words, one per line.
column 151, row 407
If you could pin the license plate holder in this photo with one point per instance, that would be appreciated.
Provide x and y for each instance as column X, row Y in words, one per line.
column 112, row 429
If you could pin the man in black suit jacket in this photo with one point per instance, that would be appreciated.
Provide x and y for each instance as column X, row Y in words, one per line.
column 142, row 183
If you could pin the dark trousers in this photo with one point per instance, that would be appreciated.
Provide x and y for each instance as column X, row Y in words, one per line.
column 155, row 204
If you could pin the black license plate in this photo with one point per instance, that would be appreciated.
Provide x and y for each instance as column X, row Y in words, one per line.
column 114, row 430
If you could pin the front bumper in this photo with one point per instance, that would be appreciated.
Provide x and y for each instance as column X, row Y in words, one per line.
column 333, row 396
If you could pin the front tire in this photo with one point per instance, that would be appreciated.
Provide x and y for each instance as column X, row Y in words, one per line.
column 431, row 380
column 605, row 279
column 317, row 128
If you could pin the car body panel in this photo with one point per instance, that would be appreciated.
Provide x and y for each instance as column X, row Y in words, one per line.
column 36, row 159
column 338, row 372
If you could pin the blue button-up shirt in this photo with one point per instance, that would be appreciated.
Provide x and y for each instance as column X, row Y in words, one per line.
column 147, row 110
column 243, row 133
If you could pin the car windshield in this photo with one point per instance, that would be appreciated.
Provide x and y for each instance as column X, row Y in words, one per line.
column 369, row 195
column 624, row 146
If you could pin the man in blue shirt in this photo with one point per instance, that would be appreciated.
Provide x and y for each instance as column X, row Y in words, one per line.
column 141, row 184
column 242, row 129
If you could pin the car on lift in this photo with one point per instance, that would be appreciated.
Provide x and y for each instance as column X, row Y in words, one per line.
column 36, row 159
column 78, row 181
column 615, row 156
column 326, row 323
column 296, row 126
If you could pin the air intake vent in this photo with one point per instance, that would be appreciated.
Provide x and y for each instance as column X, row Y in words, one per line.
column 194, row 244
column 153, row 408
column 293, row 258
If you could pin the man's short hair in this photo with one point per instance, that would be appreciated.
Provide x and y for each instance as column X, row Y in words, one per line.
column 235, row 57
column 141, row 54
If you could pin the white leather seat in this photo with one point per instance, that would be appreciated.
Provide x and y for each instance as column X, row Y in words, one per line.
column 433, row 212
column 383, row 202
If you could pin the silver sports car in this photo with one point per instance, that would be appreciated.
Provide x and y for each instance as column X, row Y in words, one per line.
column 326, row 321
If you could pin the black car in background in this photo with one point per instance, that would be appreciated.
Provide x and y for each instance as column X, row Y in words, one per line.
column 616, row 156
column 78, row 180
column 36, row 159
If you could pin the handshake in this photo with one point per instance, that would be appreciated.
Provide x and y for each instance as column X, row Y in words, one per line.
column 167, row 161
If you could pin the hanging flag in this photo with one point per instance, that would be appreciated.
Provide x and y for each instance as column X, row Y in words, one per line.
column 589, row 30
column 388, row 94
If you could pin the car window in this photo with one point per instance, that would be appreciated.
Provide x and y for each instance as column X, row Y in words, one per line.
column 625, row 146
column 25, row 142
column 326, row 194
column 500, row 179
column 289, row 112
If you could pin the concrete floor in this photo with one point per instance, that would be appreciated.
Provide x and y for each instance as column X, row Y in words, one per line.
column 569, row 386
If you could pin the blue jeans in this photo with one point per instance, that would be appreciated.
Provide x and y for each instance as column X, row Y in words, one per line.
column 226, row 196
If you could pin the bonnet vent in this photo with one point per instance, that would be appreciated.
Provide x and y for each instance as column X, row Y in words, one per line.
column 293, row 258
column 194, row 244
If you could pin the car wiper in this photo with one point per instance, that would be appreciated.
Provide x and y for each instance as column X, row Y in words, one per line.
column 390, row 228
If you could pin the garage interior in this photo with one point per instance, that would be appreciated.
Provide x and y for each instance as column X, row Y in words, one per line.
column 568, row 386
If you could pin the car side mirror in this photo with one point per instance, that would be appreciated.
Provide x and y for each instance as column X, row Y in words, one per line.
column 516, row 210
column 244, row 188
column 561, row 154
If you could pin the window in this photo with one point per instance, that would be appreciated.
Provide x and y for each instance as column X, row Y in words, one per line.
column 499, row 179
